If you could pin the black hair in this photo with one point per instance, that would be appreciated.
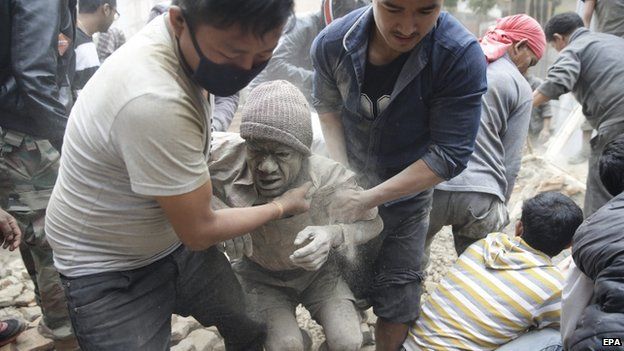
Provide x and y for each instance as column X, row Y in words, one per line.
column 90, row 6
column 563, row 24
column 611, row 166
column 549, row 221
column 254, row 16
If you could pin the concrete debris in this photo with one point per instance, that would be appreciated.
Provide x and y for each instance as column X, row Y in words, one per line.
column 198, row 340
column 31, row 340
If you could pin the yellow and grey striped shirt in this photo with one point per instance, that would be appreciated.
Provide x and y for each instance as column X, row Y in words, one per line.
column 498, row 288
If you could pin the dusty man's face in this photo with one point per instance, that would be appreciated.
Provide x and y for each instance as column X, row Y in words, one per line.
column 274, row 166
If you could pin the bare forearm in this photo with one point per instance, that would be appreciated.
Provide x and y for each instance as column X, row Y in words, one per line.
column 539, row 98
column 230, row 223
column 414, row 179
column 588, row 12
column 333, row 132
column 199, row 226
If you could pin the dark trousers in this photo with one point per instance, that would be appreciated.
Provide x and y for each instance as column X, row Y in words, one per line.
column 131, row 310
column 596, row 195
column 389, row 269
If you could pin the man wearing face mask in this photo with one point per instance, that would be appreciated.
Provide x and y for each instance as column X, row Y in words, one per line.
column 398, row 90
column 130, row 218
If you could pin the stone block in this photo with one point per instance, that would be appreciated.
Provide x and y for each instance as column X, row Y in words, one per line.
column 31, row 340
column 25, row 298
column 192, row 322
column 183, row 346
column 9, row 347
column 31, row 313
column 200, row 340
column 179, row 330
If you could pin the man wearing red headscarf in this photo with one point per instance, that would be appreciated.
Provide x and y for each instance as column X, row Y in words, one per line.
column 474, row 202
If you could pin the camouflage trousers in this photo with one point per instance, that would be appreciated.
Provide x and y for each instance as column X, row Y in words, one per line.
column 29, row 168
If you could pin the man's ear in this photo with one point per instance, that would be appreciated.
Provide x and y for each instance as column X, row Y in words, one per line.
column 558, row 37
column 177, row 20
column 520, row 44
column 519, row 228
column 106, row 9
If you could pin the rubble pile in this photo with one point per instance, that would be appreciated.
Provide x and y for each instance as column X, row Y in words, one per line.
column 538, row 175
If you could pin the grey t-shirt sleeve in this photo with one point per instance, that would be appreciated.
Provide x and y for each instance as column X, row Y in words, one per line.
column 562, row 75
column 161, row 141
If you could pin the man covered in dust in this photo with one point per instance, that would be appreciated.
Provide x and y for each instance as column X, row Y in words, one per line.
column 288, row 261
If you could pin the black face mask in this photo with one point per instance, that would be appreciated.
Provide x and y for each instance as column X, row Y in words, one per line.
column 222, row 79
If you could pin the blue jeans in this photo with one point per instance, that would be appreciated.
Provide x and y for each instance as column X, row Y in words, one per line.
column 547, row 339
column 389, row 270
column 131, row 310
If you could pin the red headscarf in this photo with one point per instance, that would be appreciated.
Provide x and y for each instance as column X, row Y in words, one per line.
column 509, row 30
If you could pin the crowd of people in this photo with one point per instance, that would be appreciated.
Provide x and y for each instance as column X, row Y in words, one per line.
column 129, row 201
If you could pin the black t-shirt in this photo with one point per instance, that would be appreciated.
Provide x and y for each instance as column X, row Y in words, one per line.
column 378, row 85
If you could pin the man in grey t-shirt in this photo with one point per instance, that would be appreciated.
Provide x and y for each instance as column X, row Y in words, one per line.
column 130, row 218
column 590, row 66
column 474, row 201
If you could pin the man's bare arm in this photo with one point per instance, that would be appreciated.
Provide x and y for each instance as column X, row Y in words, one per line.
column 588, row 12
column 199, row 226
column 539, row 98
column 414, row 179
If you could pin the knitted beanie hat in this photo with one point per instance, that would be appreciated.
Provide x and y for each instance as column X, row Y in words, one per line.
column 277, row 111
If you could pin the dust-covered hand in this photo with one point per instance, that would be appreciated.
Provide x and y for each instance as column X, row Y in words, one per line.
column 320, row 240
column 349, row 206
column 238, row 247
column 10, row 233
column 295, row 201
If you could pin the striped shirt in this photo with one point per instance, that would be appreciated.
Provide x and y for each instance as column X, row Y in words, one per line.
column 498, row 289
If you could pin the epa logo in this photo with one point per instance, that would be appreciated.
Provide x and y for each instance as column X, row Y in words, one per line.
column 611, row 342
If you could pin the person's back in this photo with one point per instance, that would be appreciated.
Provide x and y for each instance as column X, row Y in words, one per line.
column 495, row 163
column 595, row 60
column 501, row 287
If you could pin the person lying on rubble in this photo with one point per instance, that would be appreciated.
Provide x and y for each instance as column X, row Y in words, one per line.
column 474, row 202
column 289, row 261
column 503, row 288
column 593, row 296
